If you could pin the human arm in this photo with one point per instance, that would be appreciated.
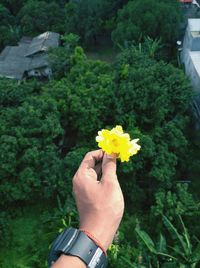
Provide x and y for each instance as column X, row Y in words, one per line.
column 100, row 203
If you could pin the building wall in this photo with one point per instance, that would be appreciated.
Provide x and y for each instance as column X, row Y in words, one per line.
column 195, row 44
column 191, row 43
column 191, row 48
column 46, row 72
column 192, row 72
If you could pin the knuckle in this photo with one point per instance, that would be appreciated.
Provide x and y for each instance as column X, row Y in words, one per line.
column 88, row 154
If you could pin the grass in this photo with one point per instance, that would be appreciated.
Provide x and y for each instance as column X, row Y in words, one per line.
column 28, row 238
column 104, row 52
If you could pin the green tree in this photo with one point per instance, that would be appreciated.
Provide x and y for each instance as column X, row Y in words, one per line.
column 97, row 18
column 61, row 58
column 9, row 31
column 30, row 159
column 138, row 19
column 41, row 125
column 13, row 5
column 36, row 17
column 152, row 97
column 178, row 202
column 85, row 12
column 85, row 94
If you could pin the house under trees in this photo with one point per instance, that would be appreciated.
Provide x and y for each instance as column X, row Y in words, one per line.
column 29, row 58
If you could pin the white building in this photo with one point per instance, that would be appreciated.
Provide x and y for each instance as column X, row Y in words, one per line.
column 190, row 57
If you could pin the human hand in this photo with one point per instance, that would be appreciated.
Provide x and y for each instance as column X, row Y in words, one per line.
column 100, row 203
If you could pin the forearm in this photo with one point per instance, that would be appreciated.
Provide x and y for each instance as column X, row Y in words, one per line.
column 69, row 262
column 100, row 205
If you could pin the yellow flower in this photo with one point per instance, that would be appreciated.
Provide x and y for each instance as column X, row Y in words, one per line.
column 117, row 142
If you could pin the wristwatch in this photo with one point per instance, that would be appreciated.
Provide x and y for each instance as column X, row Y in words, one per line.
column 76, row 243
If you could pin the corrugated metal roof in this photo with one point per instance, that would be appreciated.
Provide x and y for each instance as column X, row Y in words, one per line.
column 14, row 64
column 5, row 52
column 43, row 42
column 14, row 60
column 38, row 62
column 25, row 40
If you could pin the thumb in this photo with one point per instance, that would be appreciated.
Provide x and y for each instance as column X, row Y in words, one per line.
column 109, row 166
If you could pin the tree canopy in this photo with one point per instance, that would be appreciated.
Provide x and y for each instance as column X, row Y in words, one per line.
column 41, row 124
column 47, row 126
column 157, row 19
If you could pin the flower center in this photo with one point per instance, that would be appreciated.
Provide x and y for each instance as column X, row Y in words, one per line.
column 115, row 142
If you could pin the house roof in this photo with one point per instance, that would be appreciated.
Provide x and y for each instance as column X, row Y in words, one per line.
column 28, row 55
column 5, row 52
column 25, row 40
column 14, row 63
column 42, row 42
column 38, row 62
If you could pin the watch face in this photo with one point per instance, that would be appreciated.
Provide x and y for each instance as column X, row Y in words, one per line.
column 76, row 243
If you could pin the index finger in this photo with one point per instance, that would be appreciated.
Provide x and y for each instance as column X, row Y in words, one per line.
column 91, row 158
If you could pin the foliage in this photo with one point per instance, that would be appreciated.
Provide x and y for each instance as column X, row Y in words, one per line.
column 154, row 98
column 179, row 202
column 183, row 253
column 87, row 13
column 43, row 124
column 10, row 32
column 5, row 230
column 97, row 17
column 27, row 236
column 61, row 59
column 140, row 18
column 29, row 157
column 46, row 127
column 13, row 5
column 50, row 17
column 35, row 135
column 32, row 231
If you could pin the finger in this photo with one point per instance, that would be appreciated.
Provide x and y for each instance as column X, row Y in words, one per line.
column 97, row 168
column 90, row 159
column 109, row 166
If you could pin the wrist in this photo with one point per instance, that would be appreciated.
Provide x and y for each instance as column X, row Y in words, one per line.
column 73, row 242
column 95, row 240
column 101, row 237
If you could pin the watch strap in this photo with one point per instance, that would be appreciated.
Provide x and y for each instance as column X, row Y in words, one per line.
column 76, row 243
